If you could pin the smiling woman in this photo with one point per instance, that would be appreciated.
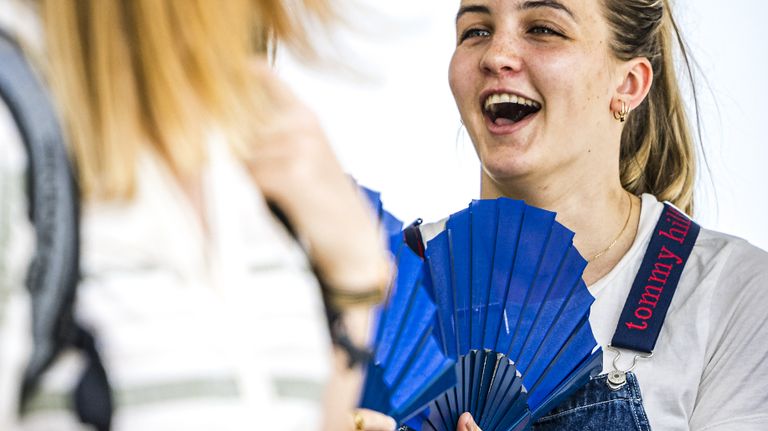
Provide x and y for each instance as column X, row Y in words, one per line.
column 574, row 106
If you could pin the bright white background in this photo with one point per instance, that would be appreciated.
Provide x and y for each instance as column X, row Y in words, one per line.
column 391, row 117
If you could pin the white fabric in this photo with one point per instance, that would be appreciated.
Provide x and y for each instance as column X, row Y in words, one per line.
column 709, row 370
column 235, row 311
column 16, row 245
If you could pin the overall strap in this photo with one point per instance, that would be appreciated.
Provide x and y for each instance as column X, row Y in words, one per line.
column 54, row 211
column 656, row 282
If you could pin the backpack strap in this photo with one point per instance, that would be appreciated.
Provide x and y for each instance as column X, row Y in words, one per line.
column 54, row 211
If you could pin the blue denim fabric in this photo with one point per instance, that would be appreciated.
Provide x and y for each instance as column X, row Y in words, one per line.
column 596, row 407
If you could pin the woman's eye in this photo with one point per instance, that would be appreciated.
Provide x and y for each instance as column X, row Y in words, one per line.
column 543, row 30
column 474, row 32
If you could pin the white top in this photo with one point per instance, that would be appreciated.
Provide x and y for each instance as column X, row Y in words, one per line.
column 709, row 369
column 198, row 332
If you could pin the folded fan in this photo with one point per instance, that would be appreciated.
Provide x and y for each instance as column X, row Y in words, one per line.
column 409, row 369
column 494, row 322
column 498, row 398
column 507, row 281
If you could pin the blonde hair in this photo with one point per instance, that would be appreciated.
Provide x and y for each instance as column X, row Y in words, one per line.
column 657, row 148
column 132, row 75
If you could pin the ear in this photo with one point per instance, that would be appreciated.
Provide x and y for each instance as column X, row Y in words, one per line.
column 636, row 79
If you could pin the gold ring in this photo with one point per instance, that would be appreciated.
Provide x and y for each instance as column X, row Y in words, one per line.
column 359, row 422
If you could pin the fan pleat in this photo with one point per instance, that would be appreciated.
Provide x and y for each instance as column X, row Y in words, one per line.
column 438, row 256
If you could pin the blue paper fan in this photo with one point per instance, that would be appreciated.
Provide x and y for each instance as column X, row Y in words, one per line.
column 498, row 395
column 507, row 282
column 389, row 223
column 409, row 367
column 493, row 322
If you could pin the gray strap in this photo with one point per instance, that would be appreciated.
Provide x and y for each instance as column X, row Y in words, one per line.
column 53, row 273
column 54, row 210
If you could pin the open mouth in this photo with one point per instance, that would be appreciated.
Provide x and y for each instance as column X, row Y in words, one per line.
column 505, row 109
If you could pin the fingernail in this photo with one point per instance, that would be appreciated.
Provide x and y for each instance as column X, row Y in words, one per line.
column 471, row 426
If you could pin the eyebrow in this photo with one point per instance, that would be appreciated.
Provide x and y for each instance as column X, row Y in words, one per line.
column 472, row 9
column 553, row 4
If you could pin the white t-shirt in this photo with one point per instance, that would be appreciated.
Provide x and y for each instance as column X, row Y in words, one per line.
column 198, row 330
column 710, row 365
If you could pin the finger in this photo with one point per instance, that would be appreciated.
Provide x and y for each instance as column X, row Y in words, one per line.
column 375, row 421
column 467, row 423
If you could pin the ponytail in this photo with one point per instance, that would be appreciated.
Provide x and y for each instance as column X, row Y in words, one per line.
column 657, row 148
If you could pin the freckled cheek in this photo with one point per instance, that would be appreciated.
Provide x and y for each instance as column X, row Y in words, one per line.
column 565, row 81
column 461, row 81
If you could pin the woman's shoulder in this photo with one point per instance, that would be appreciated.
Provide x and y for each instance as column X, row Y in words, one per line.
column 715, row 253
column 713, row 240
column 736, row 258
column 732, row 274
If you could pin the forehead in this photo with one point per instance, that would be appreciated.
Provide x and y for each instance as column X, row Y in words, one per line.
column 576, row 9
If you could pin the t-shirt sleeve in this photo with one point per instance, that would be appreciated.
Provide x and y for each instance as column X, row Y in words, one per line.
column 16, row 246
column 733, row 393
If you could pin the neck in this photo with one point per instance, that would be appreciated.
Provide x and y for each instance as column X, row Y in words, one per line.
column 595, row 209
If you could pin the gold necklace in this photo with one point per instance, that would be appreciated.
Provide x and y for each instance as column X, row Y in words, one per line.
column 626, row 223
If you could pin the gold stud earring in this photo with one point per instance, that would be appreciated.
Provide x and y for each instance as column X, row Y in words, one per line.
column 622, row 115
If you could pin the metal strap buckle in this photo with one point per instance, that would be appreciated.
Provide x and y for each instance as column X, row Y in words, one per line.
column 617, row 378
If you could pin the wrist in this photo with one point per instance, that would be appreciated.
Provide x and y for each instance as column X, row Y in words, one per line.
column 356, row 287
column 349, row 333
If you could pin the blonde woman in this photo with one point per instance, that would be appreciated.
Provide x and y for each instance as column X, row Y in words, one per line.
column 205, row 309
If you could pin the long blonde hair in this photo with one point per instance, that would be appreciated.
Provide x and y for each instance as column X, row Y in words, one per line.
column 132, row 75
column 657, row 148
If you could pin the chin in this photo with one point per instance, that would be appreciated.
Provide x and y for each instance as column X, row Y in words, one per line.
column 506, row 160
column 505, row 169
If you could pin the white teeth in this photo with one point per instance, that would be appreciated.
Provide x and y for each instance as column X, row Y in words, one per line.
column 509, row 98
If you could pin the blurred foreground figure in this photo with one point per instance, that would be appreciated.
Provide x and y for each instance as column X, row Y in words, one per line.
column 207, row 313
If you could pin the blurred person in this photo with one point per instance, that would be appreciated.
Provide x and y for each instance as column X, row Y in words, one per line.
column 206, row 311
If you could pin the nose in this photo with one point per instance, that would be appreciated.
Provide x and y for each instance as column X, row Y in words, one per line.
column 502, row 56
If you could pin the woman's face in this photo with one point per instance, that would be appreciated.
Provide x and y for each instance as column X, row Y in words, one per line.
column 534, row 80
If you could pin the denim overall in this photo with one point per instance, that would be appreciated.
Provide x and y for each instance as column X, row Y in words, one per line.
column 596, row 407
column 613, row 401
